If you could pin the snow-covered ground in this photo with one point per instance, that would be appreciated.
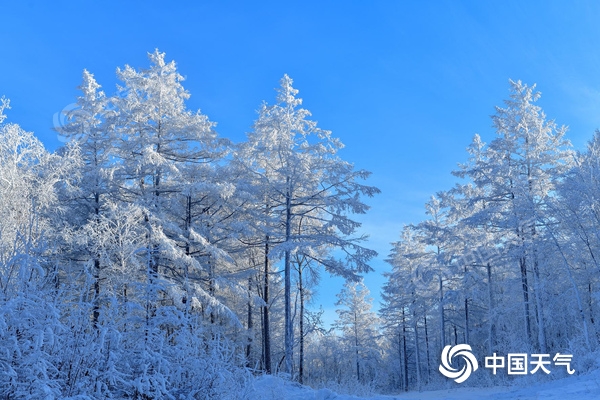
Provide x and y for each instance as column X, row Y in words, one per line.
column 582, row 387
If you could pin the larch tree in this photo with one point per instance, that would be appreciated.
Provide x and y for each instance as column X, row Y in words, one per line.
column 576, row 219
column 32, row 336
column 406, row 299
column 91, row 128
column 301, row 177
column 165, row 160
column 524, row 161
column 165, row 152
column 358, row 324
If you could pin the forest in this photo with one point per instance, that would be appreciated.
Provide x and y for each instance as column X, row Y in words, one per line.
column 150, row 258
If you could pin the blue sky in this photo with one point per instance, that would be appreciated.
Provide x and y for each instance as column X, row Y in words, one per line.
column 404, row 84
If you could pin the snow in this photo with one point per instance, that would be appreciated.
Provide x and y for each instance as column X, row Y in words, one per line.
column 577, row 387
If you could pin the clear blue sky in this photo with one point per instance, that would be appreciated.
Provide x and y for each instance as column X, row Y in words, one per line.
column 404, row 84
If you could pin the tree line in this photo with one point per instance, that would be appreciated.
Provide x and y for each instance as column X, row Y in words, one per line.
column 151, row 258
column 507, row 260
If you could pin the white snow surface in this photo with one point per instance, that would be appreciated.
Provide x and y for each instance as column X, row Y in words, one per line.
column 581, row 387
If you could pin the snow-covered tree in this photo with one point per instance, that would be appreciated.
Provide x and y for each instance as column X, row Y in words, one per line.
column 91, row 127
column 301, row 178
column 520, row 168
column 31, row 331
column 358, row 324
column 407, row 299
column 168, row 157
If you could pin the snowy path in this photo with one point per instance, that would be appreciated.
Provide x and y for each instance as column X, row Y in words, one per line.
column 582, row 387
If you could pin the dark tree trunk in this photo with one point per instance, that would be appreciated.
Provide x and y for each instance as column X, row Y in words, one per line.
column 427, row 346
column 266, row 327
column 289, row 329
column 250, row 333
column 491, row 306
column 404, row 355
column 96, row 306
column 525, row 286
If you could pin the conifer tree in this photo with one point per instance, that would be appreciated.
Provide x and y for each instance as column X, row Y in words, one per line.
column 301, row 177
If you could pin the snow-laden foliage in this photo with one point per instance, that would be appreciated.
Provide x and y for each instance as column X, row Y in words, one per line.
column 305, row 193
column 149, row 258
column 359, row 327
column 136, row 262
column 506, row 261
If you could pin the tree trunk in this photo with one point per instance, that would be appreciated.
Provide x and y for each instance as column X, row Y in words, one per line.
column 455, row 335
column 356, row 348
column 539, row 306
column 188, row 226
column 427, row 347
column 400, row 360
column 417, row 352
column 301, row 360
column 96, row 306
column 289, row 329
column 525, row 286
column 404, row 355
column 250, row 332
column 491, row 316
column 211, row 286
column 442, row 319
column 466, row 320
column 466, row 313
column 96, row 273
column 150, row 276
column 266, row 327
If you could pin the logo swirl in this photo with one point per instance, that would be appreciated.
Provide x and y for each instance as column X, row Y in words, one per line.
column 464, row 351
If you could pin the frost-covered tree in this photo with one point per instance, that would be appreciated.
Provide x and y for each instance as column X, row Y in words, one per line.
column 307, row 279
column 407, row 299
column 167, row 166
column 574, row 230
column 300, row 176
column 521, row 226
column 32, row 334
column 358, row 324
column 519, row 170
column 91, row 127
